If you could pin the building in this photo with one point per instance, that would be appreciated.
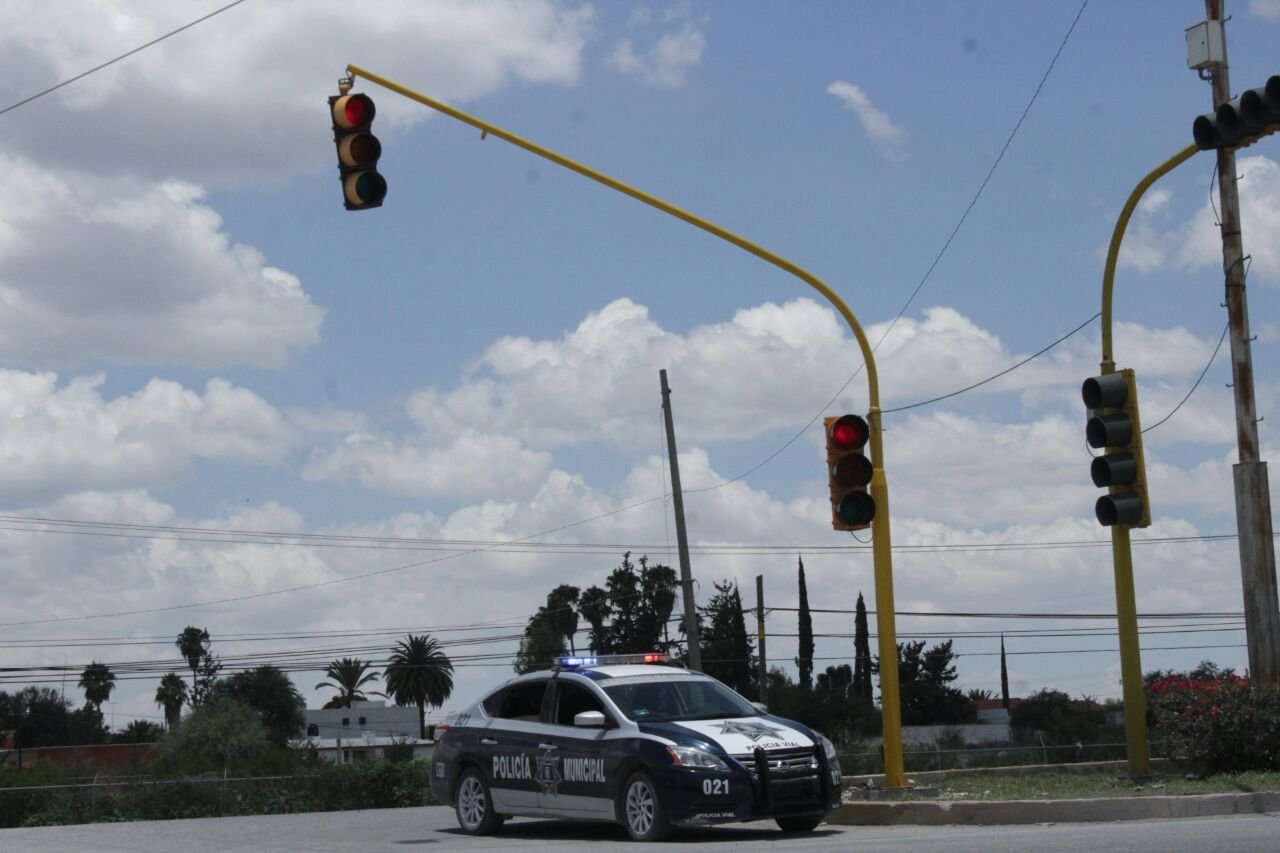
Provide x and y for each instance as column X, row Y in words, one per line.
column 374, row 719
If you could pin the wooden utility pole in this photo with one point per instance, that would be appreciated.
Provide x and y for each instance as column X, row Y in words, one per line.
column 682, row 540
column 1252, row 491
column 764, row 663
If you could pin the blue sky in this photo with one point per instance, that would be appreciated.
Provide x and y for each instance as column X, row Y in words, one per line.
column 195, row 334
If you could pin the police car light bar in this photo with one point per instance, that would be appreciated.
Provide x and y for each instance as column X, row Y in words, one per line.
column 573, row 662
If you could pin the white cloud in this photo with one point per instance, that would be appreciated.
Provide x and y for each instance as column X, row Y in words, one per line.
column 668, row 61
column 105, row 268
column 241, row 97
column 63, row 439
column 887, row 136
column 1197, row 244
column 1268, row 10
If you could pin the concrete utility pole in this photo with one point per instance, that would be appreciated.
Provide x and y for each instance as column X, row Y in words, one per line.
column 682, row 541
column 1253, row 494
column 764, row 663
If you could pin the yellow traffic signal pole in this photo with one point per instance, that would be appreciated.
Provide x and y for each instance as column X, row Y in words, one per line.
column 890, row 704
column 1135, row 697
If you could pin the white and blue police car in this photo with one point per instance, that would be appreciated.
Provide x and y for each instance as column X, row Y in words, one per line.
column 629, row 738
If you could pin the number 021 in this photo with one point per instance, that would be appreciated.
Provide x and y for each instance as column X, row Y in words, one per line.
column 711, row 787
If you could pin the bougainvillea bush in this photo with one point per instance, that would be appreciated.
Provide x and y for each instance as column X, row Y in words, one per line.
column 1220, row 724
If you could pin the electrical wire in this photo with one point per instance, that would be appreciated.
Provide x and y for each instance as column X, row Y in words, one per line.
column 110, row 62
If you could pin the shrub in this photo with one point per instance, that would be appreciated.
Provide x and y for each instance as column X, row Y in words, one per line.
column 1219, row 724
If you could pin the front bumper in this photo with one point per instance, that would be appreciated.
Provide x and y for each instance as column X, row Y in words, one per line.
column 787, row 783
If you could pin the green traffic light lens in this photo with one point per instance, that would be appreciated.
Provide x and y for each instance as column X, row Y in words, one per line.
column 370, row 187
column 856, row 508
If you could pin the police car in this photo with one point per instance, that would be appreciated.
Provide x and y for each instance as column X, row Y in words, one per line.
column 627, row 738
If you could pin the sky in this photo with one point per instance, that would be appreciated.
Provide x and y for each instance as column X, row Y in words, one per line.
column 227, row 402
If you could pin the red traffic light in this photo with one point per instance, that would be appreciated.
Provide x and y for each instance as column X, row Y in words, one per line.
column 352, row 111
column 848, row 433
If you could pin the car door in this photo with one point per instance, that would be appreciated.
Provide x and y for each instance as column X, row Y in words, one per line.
column 573, row 760
column 509, row 746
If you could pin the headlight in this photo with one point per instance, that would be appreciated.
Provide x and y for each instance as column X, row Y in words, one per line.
column 828, row 747
column 697, row 759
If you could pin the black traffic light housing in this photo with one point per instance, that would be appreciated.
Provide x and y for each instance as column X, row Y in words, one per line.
column 358, row 151
column 1112, row 400
column 1240, row 121
column 849, row 472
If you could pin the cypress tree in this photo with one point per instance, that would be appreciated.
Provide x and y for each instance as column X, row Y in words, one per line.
column 861, row 652
column 805, row 661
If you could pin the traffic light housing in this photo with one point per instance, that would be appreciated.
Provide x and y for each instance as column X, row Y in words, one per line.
column 358, row 151
column 1239, row 122
column 1113, row 425
column 849, row 472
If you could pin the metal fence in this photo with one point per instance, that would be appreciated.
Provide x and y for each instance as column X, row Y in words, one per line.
column 1010, row 755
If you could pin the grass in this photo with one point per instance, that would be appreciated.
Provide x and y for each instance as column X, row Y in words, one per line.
column 1065, row 786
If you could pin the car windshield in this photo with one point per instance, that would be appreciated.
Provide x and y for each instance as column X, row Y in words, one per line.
column 651, row 701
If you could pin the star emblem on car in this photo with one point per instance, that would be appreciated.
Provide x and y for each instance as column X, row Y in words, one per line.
column 548, row 773
column 755, row 731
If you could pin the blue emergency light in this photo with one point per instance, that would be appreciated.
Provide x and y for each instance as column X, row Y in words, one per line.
column 577, row 661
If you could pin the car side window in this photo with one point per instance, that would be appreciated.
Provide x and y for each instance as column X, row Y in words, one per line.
column 521, row 702
column 573, row 700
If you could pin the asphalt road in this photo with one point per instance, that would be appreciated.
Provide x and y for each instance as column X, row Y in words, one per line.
column 433, row 828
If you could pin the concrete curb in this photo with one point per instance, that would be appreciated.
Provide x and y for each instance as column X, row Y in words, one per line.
column 940, row 813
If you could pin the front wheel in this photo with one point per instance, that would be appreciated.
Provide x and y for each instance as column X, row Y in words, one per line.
column 799, row 824
column 473, row 805
column 642, row 811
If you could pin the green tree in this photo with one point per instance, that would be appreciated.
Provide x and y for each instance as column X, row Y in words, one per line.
column 193, row 644
column 541, row 644
column 97, row 681
column 222, row 735
column 861, row 652
column 727, row 651
column 419, row 673
column 270, row 692
column 805, row 661
column 660, row 589
column 41, row 716
column 593, row 605
column 171, row 695
column 348, row 676
column 562, row 603
column 924, row 679
column 139, row 731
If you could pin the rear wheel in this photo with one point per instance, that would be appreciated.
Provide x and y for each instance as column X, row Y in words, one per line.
column 473, row 805
column 799, row 824
column 642, row 811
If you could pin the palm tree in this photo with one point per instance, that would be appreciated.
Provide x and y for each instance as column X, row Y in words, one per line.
column 349, row 675
column 419, row 673
column 97, row 681
column 193, row 644
column 171, row 695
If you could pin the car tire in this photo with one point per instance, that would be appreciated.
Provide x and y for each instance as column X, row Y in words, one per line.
column 473, row 805
column 799, row 824
column 641, row 810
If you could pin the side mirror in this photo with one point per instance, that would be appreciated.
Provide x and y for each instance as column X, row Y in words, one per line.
column 589, row 720
column 761, row 707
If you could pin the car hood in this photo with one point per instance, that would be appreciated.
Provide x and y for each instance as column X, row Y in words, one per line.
column 736, row 735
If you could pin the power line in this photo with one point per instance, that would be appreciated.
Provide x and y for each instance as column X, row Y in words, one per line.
column 109, row 62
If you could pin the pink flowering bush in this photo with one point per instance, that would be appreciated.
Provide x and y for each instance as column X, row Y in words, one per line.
column 1219, row 724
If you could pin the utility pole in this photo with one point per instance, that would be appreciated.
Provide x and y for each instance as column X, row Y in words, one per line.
column 764, row 663
column 682, row 540
column 1252, row 491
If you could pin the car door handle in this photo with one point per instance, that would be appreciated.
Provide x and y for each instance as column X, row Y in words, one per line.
column 547, row 746
column 488, row 741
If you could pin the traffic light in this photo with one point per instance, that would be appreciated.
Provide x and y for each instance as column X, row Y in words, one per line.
column 1240, row 121
column 849, row 472
column 358, row 151
column 1112, row 400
